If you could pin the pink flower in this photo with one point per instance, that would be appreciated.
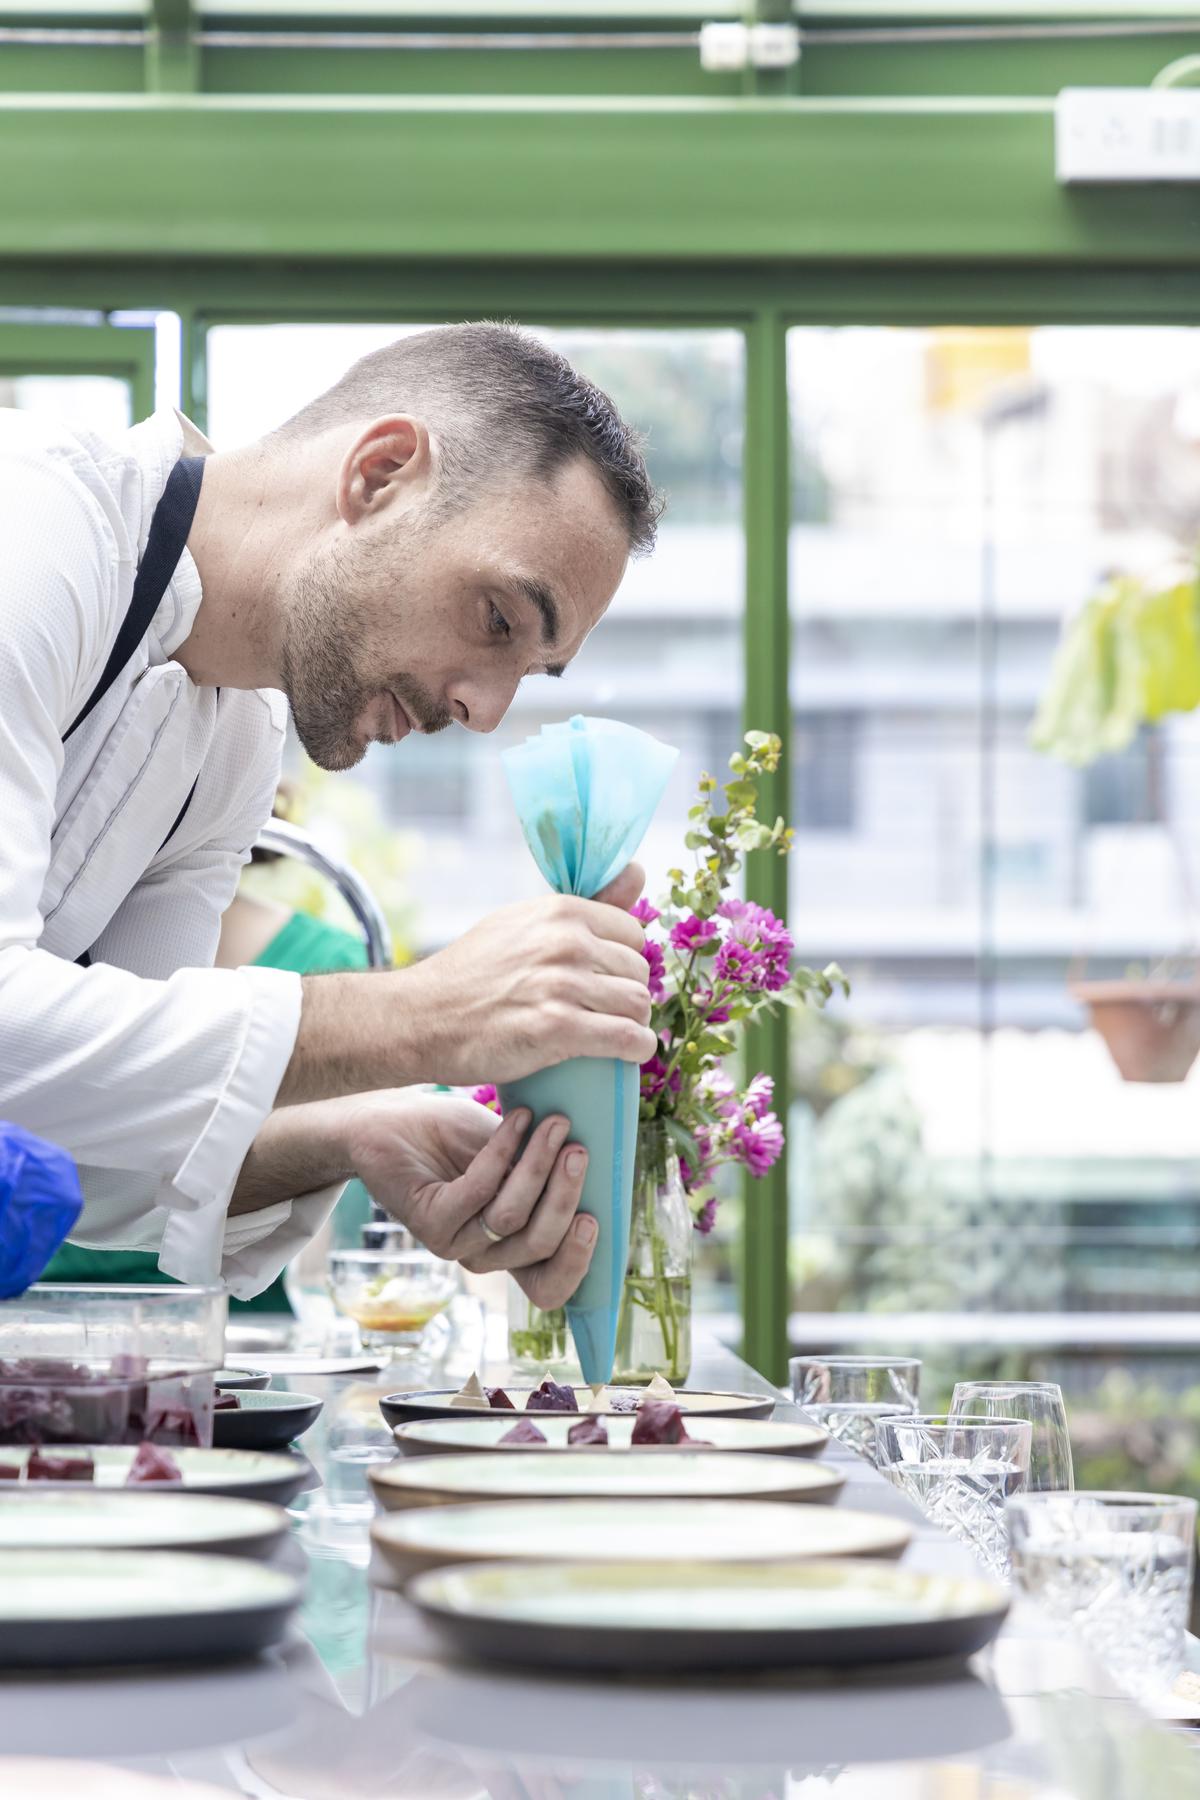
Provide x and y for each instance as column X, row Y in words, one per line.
column 758, row 1096
column 758, row 1143
column 487, row 1096
column 716, row 1088
column 737, row 964
column 654, row 1078
column 643, row 912
column 653, row 954
column 706, row 1218
column 715, row 1015
column 692, row 931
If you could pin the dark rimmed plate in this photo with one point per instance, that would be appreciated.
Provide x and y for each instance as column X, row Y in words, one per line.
column 64, row 1609
column 268, row 1420
column 598, row 1475
column 443, row 1437
column 33, row 1518
column 434, row 1403
column 242, row 1474
column 237, row 1380
column 706, row 1617
column 643, row 1531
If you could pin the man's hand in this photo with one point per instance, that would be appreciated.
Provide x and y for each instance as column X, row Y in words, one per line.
column 443, row 1165
column 528, row 987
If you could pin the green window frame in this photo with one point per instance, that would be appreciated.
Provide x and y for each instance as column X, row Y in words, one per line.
column 124, row 353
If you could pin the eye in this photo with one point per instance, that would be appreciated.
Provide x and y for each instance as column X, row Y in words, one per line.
column 498, row 625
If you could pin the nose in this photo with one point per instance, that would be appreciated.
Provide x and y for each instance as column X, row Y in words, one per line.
column 480, row 705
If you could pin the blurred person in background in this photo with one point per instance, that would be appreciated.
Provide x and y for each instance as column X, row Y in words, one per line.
column 453, row 515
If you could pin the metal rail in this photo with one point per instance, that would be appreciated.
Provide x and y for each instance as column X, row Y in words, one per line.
column 289, row 840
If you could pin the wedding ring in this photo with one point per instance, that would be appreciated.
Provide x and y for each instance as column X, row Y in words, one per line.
column 495, row 1237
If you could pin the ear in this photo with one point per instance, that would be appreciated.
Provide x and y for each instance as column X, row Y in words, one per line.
column 391, row 456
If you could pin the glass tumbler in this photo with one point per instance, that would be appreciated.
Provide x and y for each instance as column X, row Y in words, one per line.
column 960, row 1473
column 849, row 1395
column 1041, row 1402
column 1117, row 1570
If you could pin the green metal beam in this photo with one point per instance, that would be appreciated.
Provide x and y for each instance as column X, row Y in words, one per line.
column 794, row 181
column 766, row 489
column 126, row 353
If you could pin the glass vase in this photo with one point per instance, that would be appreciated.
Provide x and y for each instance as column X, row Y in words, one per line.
column 537, row 1340
column 654, row 1332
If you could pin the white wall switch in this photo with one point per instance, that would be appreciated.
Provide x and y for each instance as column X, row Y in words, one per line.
column 1127, row 134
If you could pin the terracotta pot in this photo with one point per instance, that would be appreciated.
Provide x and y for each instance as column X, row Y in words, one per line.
column 1152, row 1028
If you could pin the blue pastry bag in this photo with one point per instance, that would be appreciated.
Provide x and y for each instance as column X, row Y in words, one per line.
column 40, row 1200
column 585, row 792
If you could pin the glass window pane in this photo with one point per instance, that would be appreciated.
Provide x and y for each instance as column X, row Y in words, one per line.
column 101, row 402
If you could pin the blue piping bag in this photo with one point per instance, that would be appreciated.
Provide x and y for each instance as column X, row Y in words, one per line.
column 40, row 1200
column 585, row 792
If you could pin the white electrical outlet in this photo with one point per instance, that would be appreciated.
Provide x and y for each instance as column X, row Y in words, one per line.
column 1127, row 134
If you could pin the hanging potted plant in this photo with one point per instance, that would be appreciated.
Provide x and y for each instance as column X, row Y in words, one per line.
column 1127, row 660
column 716, row 963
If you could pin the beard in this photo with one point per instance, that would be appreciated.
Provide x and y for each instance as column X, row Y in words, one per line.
column 327, row 692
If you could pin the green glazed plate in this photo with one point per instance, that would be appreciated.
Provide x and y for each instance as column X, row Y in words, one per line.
column 244, row 1474
column 33, row 1519
column 265, row 1421
column 598, row 1475
column 427, row 1437
column 725, row 1617
column 434, row 1403
column 238, row 1379
column 644, row 1531
column 78, row 1608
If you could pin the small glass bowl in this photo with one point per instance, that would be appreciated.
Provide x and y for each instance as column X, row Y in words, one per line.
column 392, row 1295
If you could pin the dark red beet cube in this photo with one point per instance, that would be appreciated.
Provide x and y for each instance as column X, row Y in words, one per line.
column 498, row 1400
column 59, row 1468
column 10, row 1471
column 152, row 1463
column 552, row 1396
column 588, row 1431
column 524, row 1432
column 658, row 1422
column 225, row 1402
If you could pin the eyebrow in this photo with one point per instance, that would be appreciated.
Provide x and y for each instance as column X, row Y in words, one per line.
column 546, row 606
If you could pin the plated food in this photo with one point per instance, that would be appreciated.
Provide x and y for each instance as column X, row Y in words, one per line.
column 263, row 1421
column 249, row 1475
column 427, row 1437
column 643, row 1531
column 32, row 1520
column 84, row 1608
column 630, row 1618
column 598, row 1474
column 550, row 1397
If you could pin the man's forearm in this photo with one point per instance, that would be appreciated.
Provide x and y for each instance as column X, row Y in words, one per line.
column 357, row 1032
column 298, row 1149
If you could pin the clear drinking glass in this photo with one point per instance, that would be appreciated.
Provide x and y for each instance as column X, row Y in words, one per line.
column 849, row 1395
column 960, row 1472
column 392, row 1295
column 1041, row 1402
column 1115, row 1568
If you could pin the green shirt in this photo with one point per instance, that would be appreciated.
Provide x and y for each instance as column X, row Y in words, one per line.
column 310, row 947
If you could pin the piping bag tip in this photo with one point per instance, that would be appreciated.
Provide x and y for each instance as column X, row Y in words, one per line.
column 594, row 1329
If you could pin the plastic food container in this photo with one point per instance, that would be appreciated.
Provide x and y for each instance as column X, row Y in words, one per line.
column 110, row 1365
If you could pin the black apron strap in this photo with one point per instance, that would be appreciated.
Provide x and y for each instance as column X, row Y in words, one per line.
column 164, row 546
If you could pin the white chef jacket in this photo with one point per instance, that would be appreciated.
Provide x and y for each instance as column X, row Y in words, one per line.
column 153, row 1069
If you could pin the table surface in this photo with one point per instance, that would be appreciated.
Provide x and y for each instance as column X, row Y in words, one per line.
column 360, row 1705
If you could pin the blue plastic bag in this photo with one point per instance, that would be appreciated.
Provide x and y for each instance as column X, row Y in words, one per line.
column 40, row 1200
column 585, row 793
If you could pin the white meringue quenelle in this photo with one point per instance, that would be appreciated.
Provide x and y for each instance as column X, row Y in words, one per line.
column 660, row 1389
column 471, row 1393
column 599, row 1402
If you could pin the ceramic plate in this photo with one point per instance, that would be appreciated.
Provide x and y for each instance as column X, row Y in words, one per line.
column 265, row 1421
column 299, row 1362
column 598, row 1475
column 244, row 1474
column 242, row 1378
column 402, row 1409
column 426, row 1437
column 71, row 1608
column 644, row 1531
column 628, row 1618
column 61, row 1520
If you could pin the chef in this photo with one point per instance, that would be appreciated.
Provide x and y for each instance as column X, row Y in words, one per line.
column 455, row 514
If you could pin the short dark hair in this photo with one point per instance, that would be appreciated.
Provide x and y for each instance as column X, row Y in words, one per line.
column 490, row 393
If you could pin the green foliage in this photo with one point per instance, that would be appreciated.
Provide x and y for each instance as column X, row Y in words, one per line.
column 1129, row 658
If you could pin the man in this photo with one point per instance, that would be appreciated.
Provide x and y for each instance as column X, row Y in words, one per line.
column 456, row 513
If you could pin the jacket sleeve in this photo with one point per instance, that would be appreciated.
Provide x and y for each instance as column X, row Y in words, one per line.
column 163, row 1075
